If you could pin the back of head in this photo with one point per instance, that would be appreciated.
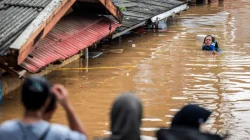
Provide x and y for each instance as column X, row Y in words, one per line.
column 126, row 115
column 191, row 116
column 35, row 92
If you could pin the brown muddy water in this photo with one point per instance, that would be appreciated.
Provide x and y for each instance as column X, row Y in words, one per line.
column 166, row 69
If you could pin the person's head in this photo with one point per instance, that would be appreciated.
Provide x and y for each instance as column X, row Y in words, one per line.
column 208, row 40
column 35, row 94
column 49, row 111
column 126, row 115
column 191, row 116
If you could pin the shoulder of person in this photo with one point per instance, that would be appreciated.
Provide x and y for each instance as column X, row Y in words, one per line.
column 101, row 138
column 64, row 131
column 147, row 138
column 9, row 126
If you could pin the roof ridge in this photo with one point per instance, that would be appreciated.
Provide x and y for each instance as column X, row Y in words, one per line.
column 23, row 5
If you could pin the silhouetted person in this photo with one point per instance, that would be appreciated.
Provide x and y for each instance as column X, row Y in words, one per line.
column 35, row 96
column 186, row 125
column 126, row 115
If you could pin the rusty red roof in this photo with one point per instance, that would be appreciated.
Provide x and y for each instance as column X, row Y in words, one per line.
column 68, row 37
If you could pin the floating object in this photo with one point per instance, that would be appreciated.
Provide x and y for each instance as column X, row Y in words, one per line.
column 133, row 45
column 95, row 54
column 115, row 51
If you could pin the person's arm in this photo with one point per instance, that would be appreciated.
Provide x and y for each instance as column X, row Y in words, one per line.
column 213, row 49
column 74, row 122
column 62, row 97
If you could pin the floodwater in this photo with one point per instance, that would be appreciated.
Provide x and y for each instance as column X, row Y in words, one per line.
column 166, row 69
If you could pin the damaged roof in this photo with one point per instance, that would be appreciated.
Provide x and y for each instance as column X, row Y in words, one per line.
column 70, row 35
column 15, row 16
column 137, row 12
column 103, row 7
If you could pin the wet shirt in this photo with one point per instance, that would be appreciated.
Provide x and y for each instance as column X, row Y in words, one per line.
column 209, row 48
column 15, row 130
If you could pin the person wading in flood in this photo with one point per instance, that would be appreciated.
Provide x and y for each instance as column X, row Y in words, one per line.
column 209, row 44
column 35, row 96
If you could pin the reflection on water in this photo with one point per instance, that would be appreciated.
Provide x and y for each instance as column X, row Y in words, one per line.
column 167, row 70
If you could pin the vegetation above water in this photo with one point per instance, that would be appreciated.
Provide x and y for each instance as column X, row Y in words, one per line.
column 123, row 8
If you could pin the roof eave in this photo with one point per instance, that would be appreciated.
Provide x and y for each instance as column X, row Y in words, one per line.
column 113, row 9
column 110, row 6
column 169, row 13
column 40, row 26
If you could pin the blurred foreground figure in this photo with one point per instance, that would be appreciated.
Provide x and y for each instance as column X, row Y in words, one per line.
column 51, row 108
column 126, row 115
column 36, row 95
column 186, row 125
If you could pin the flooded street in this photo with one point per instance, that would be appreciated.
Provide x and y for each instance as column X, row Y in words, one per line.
column 166, row 69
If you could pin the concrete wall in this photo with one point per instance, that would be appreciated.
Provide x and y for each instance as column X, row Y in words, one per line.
column 10, row 83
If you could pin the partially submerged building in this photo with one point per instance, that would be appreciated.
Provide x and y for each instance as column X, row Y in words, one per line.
column 34, row 34
column 37, row 33
column 141, row 12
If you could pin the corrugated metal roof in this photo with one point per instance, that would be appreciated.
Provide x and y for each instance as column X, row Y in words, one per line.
column 68, row 37
column 15, row 15
column 137, row 11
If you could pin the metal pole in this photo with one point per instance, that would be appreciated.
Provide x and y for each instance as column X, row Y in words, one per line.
column 86, row 53
column 120, row 39
column 1, row 86
column 86, row 59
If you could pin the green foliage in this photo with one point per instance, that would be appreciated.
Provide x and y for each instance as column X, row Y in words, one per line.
column 123, row 8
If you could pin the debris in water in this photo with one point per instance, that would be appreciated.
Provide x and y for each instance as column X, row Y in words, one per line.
column 133, row 45
column 115, row 51
column 95, row 54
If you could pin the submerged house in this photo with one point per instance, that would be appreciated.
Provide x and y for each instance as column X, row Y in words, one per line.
column 141, row 12
column 37, row 33
column 34, row 34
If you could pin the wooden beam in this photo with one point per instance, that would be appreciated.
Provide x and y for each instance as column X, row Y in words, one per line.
column 114, row 10
column 11, row 60
column 8, row 69
column 128, row 29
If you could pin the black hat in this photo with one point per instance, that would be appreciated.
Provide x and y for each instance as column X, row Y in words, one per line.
column 35, row 91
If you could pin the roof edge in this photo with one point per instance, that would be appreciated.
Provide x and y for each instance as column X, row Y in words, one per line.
column 169, row 13
column 40, row 26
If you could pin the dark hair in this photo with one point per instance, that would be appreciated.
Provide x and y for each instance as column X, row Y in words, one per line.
column 52, row 104
column 126, row 115
column 35, row 92
column 191, row 116
column 213, row 39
